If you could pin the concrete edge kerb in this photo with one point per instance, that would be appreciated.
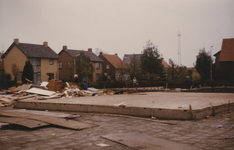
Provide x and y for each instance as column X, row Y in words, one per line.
column 160, row 113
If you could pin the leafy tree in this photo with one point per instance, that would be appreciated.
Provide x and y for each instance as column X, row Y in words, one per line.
column 134, row 66
column 123, row 70
column 151, row 62
column 172, row 71
column 27, row 72
column 177, row 72
column 195, row 75
column 83, row 66
column 15, row 71
column 183, row 73
column 203, row 64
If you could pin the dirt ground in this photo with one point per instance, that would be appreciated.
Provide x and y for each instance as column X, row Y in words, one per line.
column 214, row 132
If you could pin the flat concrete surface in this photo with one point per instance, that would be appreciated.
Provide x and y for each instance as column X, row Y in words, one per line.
column 165, row 100
column 214, row 133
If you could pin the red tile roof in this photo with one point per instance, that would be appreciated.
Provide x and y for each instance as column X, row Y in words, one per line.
column 165, row 65
column 115, row 61
column 227, row 51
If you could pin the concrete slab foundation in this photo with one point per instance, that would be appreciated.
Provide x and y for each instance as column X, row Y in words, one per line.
column 162, row 105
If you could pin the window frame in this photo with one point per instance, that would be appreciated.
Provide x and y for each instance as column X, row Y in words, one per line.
column 51, row 61
column 60, row 65
column 107, row 66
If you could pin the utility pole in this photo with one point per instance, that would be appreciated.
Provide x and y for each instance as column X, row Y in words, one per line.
column 211, row 62
column 179, row 51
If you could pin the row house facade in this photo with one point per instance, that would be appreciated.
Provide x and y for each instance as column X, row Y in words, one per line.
column 66, row 68
column 115, row 68
column 43, row 59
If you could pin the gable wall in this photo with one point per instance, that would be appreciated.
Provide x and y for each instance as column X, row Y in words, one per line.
column 15, row 55
column 65, row 72
column 47, row 68
column 111, row 71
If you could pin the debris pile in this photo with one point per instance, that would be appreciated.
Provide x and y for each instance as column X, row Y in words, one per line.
column 49, row 90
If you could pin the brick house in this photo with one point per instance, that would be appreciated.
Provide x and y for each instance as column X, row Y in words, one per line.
column 115, row 68
column 224, row 61
column 43, row 59
column 127, row 60
column 66, row 69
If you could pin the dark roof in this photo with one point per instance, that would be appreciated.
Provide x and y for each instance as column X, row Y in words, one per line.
column 91, row 55
column 127, row 58
column 217, row 53
column 227, row 51
column 115, row 61
column 34, row 51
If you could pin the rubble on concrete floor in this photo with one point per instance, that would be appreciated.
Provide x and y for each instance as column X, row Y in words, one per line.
column 40, row 91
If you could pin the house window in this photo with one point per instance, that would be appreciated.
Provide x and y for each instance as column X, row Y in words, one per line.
column 97, row 66
column 60, row 65
column 68, row 65
column 107, row 67
column 37, row 77
column 51, row 61
column 35, row 61
column 50, row 76
column 19, row 77
column 97, row 77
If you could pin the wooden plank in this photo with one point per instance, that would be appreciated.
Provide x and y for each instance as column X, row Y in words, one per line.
column 24, row 122
column 44, row 113
column 24, row 87
column 138, row 140
column 52, row 120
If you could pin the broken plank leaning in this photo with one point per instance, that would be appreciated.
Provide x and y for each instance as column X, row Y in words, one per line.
column 44, row 113
column 52, row 120
column 24, row 122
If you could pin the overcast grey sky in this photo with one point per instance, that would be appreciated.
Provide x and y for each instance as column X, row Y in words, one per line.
column 119, row 26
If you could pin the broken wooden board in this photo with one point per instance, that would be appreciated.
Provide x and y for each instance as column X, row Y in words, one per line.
column 143, row 141
column 44, row 113
column 3, row 124
column 1, row 105
column 24, row 122
column 23, row 87
column 40, row 91
column 52, row 120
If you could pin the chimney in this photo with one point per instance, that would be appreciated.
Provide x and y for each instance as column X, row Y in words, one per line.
column 116, row 54
column 16, row 41
column 90, row 49
column 65, row 47
column 101, row 53
column 45, row 44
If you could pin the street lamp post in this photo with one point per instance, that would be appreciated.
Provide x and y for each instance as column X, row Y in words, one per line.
column 75, row 63
column 211, row 62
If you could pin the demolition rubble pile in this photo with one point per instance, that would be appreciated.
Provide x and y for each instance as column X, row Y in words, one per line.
column 44, row 92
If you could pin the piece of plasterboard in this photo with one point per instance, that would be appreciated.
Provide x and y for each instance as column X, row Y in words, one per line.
column 143, row 141
column 23, row 122
column 51, row 120
column 44, row 83
column 40, row 91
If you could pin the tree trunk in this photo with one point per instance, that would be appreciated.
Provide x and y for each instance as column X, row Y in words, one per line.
column 15, row 80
